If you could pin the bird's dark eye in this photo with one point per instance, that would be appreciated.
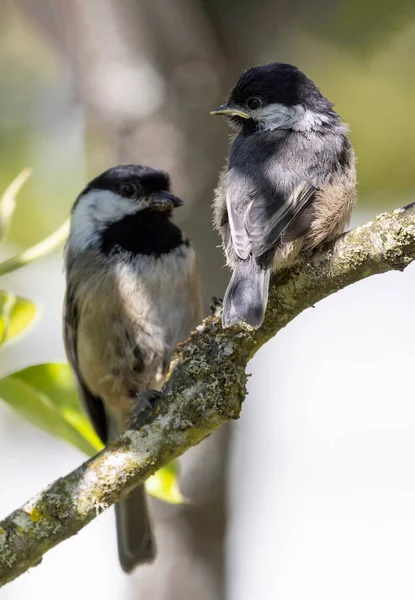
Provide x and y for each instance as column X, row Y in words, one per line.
column 128, row 190
column 253, row 103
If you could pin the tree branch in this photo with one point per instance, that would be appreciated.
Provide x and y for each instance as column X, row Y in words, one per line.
column 206, row 388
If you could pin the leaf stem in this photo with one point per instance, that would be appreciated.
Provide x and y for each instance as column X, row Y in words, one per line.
column 8, row 200
column 39, row 250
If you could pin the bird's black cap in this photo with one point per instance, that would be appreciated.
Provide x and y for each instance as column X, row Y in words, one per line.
column 129, row 180
column 150, row 180
column 278, row 82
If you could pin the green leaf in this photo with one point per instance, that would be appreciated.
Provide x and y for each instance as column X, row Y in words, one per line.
column 37, row 251
column 45, row 396
column 55, row 380
column 8, row 201
column 164, row 484
column 15, row 315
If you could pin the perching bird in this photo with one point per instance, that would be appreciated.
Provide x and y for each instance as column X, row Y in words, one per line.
column 289, row 185
column 133, row 293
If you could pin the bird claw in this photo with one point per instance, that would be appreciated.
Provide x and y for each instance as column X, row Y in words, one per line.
column 216, row 307
column 146, row 400
column 308, row 254
column 144, row 408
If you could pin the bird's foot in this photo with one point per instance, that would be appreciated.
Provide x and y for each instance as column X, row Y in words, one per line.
column 308, row 254
column 216, row 307
column 146, row 401
column 144, row 408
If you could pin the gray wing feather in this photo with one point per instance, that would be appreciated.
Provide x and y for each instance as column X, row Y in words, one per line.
column 259, row 212
column 270, row 187
column 240, row 238
column 92, row 404
column 270, row 215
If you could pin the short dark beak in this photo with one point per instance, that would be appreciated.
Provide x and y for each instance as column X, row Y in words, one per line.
column 165, row 201
column 229, row 111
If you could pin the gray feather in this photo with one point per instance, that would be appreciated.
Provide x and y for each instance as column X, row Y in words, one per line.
column 240, row 239
column 92, row 403
column 134, row 532
column 267, row 191
column 269, row 217
column 300, row 225
column 136, row 545
column 246, row 297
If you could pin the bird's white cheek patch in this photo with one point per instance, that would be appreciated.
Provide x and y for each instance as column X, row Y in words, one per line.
column 279, row 116
column 95, row 210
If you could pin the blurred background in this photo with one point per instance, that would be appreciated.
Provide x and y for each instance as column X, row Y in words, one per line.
column 312, row 493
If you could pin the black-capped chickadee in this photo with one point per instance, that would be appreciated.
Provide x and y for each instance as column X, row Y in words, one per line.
column 132, row 295
column 289, row 184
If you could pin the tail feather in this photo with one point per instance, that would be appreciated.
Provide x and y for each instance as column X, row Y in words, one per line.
column 136, row 543
column 246, row 297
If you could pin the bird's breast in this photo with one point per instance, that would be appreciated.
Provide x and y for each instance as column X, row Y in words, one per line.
column 131, row 319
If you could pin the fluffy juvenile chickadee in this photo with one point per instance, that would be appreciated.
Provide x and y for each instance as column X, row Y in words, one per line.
column 132, row 294
column 289, row 183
